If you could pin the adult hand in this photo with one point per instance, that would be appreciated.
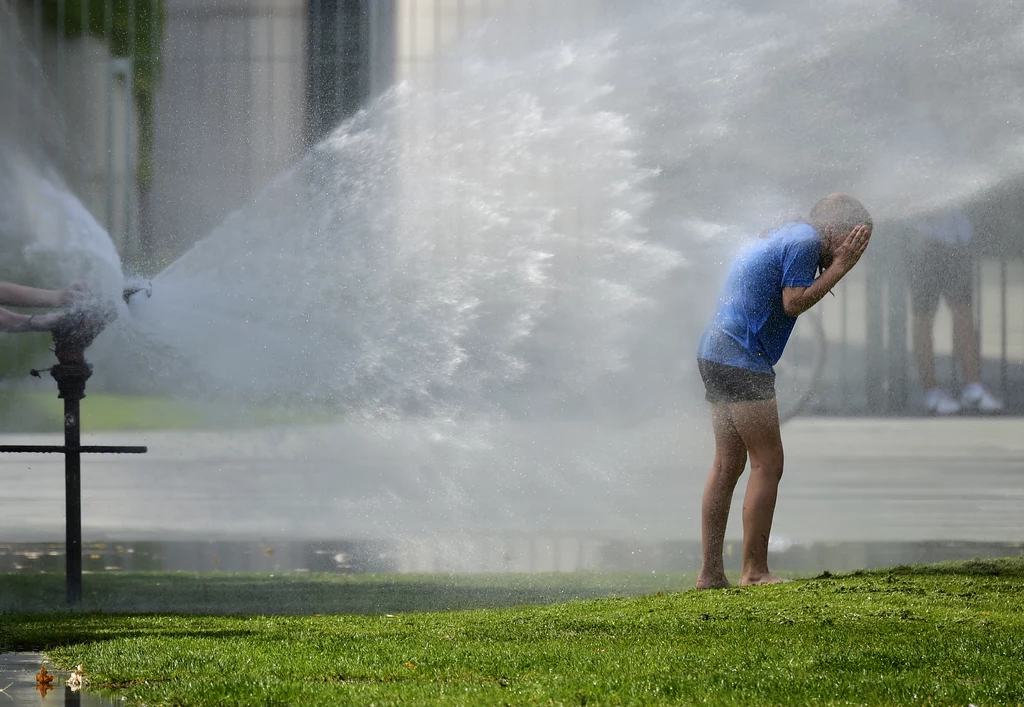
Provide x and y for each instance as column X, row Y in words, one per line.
column 75, row 292
column 852, row 247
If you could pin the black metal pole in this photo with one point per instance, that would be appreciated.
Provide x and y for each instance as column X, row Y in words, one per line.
column 71, row 337
column 73, row 500
column 71, row 380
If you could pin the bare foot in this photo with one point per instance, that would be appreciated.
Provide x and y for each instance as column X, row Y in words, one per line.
column 713, row 581
column 755, row 580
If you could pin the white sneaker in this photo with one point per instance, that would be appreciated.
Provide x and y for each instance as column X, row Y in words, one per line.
column 939, row 402
column 975, row 397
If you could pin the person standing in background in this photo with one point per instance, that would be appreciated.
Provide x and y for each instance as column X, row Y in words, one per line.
column 940, row 263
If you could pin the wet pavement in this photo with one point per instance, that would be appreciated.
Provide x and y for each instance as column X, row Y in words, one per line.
column 18, row 683
column 488, row 554
column 539, row 497
column 847, row 481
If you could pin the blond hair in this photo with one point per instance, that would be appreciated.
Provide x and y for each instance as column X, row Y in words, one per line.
column 839, row 211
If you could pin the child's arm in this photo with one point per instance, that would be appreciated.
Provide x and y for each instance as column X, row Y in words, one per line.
column 797, row 300
column 12, row 295
column 16, row 323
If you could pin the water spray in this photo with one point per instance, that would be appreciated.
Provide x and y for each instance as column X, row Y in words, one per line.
column 75, row 332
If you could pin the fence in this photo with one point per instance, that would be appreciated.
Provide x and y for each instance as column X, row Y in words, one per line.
column 235, row 91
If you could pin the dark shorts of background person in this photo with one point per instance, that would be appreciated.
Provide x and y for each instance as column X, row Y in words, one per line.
column 941, row 269
column 731, row 384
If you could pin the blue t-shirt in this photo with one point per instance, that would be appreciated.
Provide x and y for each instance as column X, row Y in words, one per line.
column 750, row 329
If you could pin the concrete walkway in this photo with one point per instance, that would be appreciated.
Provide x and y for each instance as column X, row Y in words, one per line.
column 846, row 480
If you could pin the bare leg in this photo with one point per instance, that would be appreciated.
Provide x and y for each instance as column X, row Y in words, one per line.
column 730, row 459
column 923, row 350
column 965, row 343
column 758, row 425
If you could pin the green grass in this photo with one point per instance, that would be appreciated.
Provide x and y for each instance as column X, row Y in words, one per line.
column 945, row 634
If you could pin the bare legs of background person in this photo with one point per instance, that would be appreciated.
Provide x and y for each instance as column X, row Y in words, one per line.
column 966, row 349
column 966, row 346
column 924, row 354
column 974, row 395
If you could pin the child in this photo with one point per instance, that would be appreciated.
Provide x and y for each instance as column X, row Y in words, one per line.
column 769, row 285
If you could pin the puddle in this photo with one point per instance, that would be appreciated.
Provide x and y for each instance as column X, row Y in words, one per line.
column 18, row 672
column 523, row 554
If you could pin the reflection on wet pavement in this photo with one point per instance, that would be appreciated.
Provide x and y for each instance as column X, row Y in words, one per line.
column 19, row 673
column 521, row 554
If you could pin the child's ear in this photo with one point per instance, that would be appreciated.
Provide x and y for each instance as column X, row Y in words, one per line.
column 824, row 258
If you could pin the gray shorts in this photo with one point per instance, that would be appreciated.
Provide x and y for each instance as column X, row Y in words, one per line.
column 940, row 269
column 731, row 384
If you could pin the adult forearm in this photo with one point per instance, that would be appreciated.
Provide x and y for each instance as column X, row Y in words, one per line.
column 12, row 295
